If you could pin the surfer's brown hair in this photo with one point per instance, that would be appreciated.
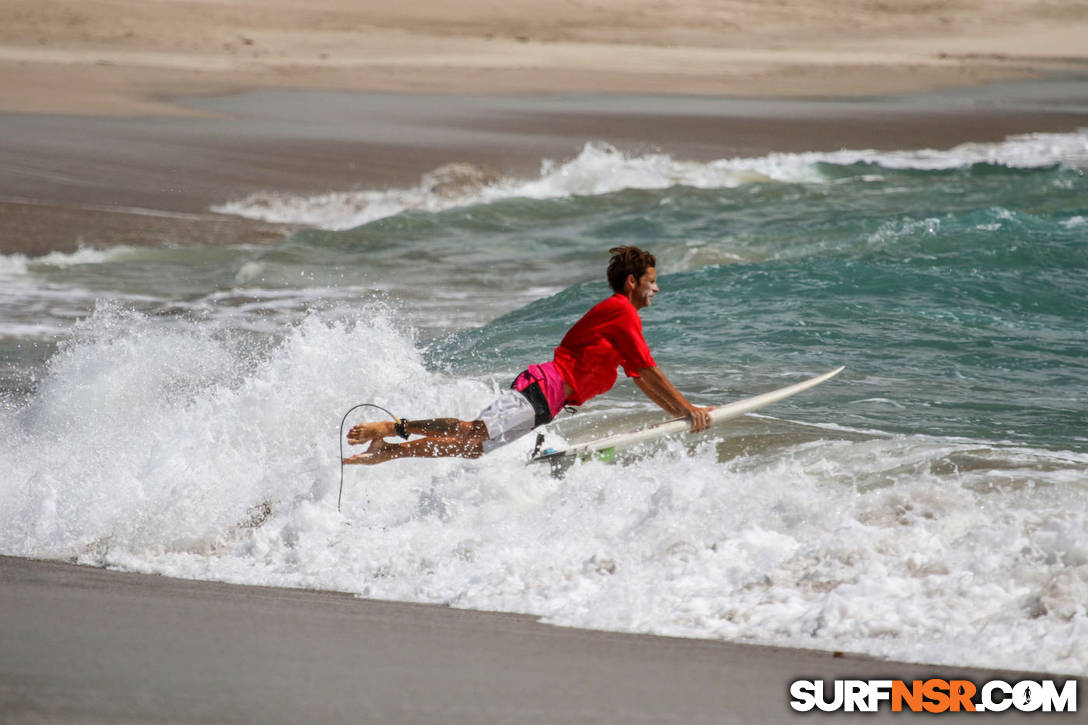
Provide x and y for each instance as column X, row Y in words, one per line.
column 625, row 261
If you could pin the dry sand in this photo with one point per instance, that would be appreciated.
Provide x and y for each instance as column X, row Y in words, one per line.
column 123, row 57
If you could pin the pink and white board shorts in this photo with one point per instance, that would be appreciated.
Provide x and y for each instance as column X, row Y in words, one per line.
column 534, row 399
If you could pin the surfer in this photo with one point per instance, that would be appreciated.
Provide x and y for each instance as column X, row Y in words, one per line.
column 584, row 366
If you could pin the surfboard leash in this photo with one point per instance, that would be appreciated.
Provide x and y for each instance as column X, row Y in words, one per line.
column 399, row 427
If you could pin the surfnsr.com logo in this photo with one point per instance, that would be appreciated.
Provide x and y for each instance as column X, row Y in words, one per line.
column 933, row 696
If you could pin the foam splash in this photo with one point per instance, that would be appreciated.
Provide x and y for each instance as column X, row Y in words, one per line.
column 184, row 451
column 603, row 169
column 152, row 438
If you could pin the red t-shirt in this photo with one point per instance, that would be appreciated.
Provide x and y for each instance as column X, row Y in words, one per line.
column 610, row 334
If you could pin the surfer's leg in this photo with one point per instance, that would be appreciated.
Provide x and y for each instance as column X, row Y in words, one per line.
column 466, row 442
column 441, row 427
column 509, row 417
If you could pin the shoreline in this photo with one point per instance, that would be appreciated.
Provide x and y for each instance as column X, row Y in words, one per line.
column 68, row 182
column 81, row 643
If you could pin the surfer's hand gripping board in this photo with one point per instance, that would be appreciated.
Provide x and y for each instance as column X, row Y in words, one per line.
column 606, row 447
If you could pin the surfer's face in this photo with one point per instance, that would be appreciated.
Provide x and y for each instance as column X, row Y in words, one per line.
column 643, row 291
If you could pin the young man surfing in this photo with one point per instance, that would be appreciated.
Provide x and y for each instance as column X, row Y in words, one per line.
column 584, row 366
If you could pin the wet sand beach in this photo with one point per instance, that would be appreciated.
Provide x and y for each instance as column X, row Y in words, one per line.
column 85, row 645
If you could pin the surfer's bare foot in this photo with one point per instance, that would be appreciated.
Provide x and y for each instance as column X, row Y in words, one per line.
column 378, row 452
column 364, row 459
column 365, row 432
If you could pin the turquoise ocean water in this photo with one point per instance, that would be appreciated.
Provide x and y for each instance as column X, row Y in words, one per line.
column 176, row 409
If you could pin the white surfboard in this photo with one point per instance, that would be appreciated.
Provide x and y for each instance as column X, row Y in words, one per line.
column 605, row 448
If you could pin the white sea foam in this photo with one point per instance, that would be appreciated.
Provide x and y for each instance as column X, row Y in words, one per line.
column 602, row 169
column 179, row 450
column 12, row 265
column 84, row 255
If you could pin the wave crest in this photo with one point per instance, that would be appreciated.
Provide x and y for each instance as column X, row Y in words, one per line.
column 602, row 169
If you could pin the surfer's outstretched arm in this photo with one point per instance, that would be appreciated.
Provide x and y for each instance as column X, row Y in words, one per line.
column 659, row 389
